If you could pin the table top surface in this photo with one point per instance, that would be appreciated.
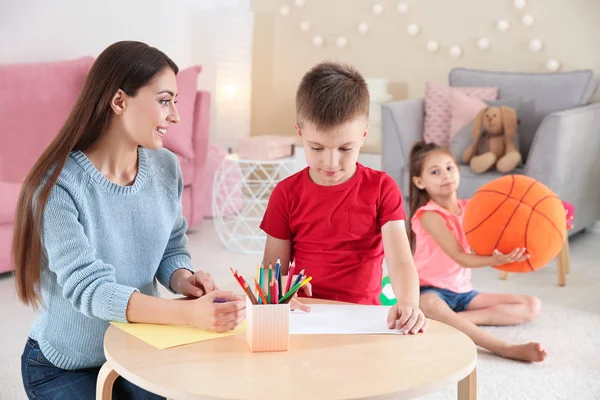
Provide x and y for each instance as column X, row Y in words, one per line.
column 314, row 367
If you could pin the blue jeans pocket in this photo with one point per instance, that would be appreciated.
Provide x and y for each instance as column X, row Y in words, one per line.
column 36, row 370
column 36, row 357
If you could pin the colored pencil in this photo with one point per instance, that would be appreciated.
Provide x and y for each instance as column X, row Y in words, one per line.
column 293, row 291
column 249, row 293
column 260, row 292
column 235, row 275
column 278, row 275
column 276, row 292
column 290, row 276
column 243, row 285
column 247, row 287
column 299, row 278
column 269, row 283
column 271, row 298
column 260, row 276
column 279, row 284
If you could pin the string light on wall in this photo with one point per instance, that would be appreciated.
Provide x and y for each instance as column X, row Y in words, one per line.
column 483, row 43
column 363, row 28
column 318, row 41
column 527, row 20
column 377, row 9
column 520, row 4
column 433, row 46
column 536, row 45
column 341, row 42
column 503, row 25
column 413, row 29
column 402, row 7
column 455, row 52
column 284, row 10
column 305, row 26
column 552, row 65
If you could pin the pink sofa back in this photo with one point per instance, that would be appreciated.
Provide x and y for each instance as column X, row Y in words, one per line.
column 35, row 100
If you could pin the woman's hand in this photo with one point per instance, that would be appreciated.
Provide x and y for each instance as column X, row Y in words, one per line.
column 192, row 285
column 517, row 255
column 216, row 311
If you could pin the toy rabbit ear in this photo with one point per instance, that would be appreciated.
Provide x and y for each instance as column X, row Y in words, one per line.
column 478, row 124
column 509, row 120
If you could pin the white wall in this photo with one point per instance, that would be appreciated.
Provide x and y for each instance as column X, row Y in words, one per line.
column 216, row 34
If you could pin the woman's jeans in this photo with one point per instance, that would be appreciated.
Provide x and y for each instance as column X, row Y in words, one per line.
column 44, row 381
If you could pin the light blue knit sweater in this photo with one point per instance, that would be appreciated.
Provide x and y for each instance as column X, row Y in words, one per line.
column 101, row 243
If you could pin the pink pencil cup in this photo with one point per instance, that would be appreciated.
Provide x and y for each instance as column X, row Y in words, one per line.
column 267, row 327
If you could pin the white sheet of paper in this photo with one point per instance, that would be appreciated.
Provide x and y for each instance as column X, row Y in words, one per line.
column 326, row 319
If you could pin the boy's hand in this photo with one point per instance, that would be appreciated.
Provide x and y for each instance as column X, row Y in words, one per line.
column 295, row 304
column 307, row 289
column 517, row 255
column 192, row 285
column 407, row 318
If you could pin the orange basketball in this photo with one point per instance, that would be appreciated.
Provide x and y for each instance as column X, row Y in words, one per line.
column 516, row 211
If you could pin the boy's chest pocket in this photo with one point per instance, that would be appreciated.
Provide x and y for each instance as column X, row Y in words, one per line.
column 362, row 220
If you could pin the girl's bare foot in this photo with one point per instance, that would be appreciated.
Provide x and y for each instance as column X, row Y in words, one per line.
column 533, row 352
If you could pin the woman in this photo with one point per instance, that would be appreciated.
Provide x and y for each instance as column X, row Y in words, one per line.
column 99, row 218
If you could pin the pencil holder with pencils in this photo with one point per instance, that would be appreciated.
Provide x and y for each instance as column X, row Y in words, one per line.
column 267, row 326
column 268, row 307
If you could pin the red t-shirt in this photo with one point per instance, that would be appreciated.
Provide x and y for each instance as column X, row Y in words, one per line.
column 335, row 231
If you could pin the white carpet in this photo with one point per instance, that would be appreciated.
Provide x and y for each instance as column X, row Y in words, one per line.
column 571, row 370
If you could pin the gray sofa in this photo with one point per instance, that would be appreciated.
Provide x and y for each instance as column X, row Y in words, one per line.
column 559, row 137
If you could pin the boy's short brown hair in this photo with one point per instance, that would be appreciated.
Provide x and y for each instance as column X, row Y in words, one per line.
column 331, row 94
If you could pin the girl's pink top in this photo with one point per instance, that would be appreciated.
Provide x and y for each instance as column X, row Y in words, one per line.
column 434, row 266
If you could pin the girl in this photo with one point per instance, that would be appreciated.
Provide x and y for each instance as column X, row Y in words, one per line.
column 100, row 220
column 444, row 263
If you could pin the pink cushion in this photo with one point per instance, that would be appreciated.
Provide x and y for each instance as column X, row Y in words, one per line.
column 215, row 155
column 179, row 137
column 570, row 211
column 35, row 100
column 464, row 109
column 436, row 127
column 9, row 196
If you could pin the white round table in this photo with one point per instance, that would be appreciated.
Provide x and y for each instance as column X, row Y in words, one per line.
column 241, row 191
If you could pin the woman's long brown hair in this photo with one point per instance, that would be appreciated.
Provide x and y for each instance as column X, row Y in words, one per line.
column 126, row 65
column 417, row 198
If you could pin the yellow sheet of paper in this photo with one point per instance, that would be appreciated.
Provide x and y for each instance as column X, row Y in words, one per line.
column 165, row 336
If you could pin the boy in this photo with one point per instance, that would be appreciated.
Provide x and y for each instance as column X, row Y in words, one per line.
column 336, row 217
